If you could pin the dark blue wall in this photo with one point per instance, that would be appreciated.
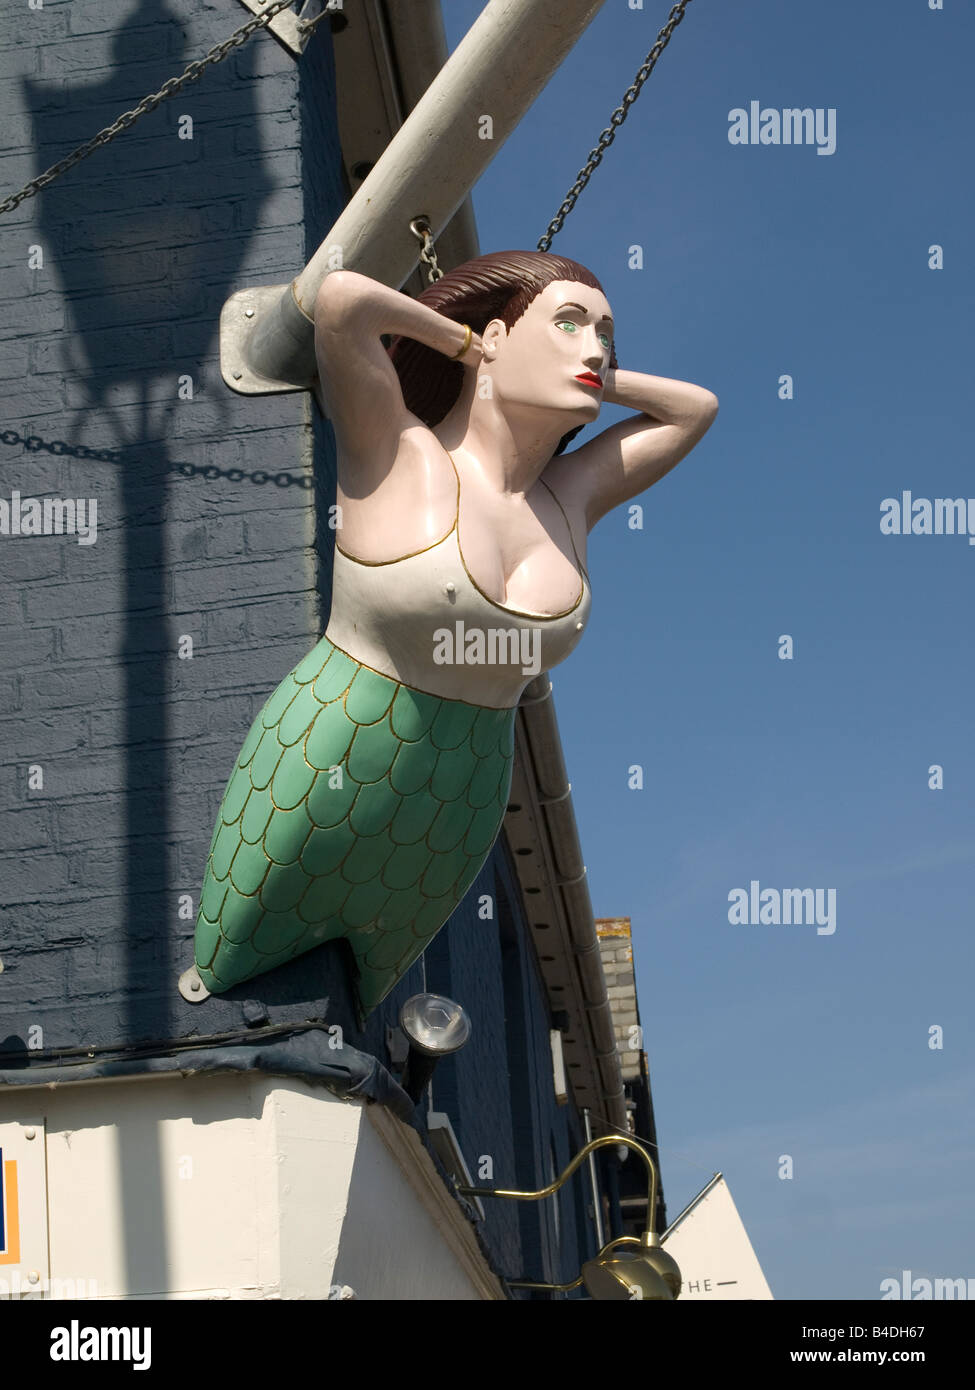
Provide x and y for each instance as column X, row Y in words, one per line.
column 499, row 1091
column 206, row 507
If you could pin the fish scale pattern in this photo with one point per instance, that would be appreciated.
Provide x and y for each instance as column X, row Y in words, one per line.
column 358, row 808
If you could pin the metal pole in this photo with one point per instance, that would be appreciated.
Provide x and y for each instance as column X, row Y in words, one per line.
column 594, row 1181
column 428, row 168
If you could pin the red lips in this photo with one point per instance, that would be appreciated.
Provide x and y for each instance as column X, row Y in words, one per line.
column 589, row 379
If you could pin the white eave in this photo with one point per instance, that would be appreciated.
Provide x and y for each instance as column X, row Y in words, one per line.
column 541, row 831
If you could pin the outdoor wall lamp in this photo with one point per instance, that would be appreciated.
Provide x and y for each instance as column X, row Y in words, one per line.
column 641, row 1269
column 435, row 1027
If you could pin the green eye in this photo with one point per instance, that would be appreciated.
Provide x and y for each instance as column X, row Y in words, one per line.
column 604, row 339
column 567, row 324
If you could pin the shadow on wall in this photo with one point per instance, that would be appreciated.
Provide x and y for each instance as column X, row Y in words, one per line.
column 147, row 238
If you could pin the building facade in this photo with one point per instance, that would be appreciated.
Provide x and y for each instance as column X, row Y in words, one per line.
column 261, row 1143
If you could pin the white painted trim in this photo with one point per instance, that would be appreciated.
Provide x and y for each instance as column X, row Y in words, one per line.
column 558, row 1067
column 406, row 1147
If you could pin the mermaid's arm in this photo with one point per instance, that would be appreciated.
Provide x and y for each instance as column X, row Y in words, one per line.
column 631, row 456
column 359, row 383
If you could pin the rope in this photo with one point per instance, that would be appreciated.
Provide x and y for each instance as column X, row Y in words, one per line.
column 189, row 74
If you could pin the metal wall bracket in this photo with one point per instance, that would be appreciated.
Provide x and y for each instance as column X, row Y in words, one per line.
column 284, row 25
column 265, row 305
column 191, row 987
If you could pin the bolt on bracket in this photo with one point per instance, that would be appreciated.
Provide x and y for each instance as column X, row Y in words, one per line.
column 240, row 315
column 191, row 987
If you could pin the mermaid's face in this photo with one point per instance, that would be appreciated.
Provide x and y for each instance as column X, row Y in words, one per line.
column 557, row 354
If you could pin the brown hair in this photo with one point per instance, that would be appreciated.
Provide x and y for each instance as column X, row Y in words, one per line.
column 500, row 285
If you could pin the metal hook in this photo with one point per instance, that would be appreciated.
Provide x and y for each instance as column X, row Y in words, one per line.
column 421, row 229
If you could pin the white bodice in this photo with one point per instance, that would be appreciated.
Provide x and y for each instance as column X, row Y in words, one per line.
column 423, row 621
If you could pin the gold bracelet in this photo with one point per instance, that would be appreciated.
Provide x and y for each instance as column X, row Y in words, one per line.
column 468, row 335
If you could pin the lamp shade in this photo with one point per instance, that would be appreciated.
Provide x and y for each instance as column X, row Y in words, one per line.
column 619, row 1275
column 434, row 1024
column 666, row 1266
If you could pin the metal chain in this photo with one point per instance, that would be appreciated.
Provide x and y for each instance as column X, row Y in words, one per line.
column 615, row 121
column 189, row 74
column 420, row 227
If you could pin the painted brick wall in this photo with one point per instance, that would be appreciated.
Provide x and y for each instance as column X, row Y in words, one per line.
column 205, row 499
column 473, row 1087
column 499, row 1091
column 556, row 1234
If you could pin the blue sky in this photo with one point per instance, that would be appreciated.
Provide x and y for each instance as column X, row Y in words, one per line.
column 762, row 260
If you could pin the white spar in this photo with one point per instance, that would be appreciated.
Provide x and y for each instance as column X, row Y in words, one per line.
column 428, row 168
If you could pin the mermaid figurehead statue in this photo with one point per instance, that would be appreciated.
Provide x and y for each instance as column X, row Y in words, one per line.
column 373, row 784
